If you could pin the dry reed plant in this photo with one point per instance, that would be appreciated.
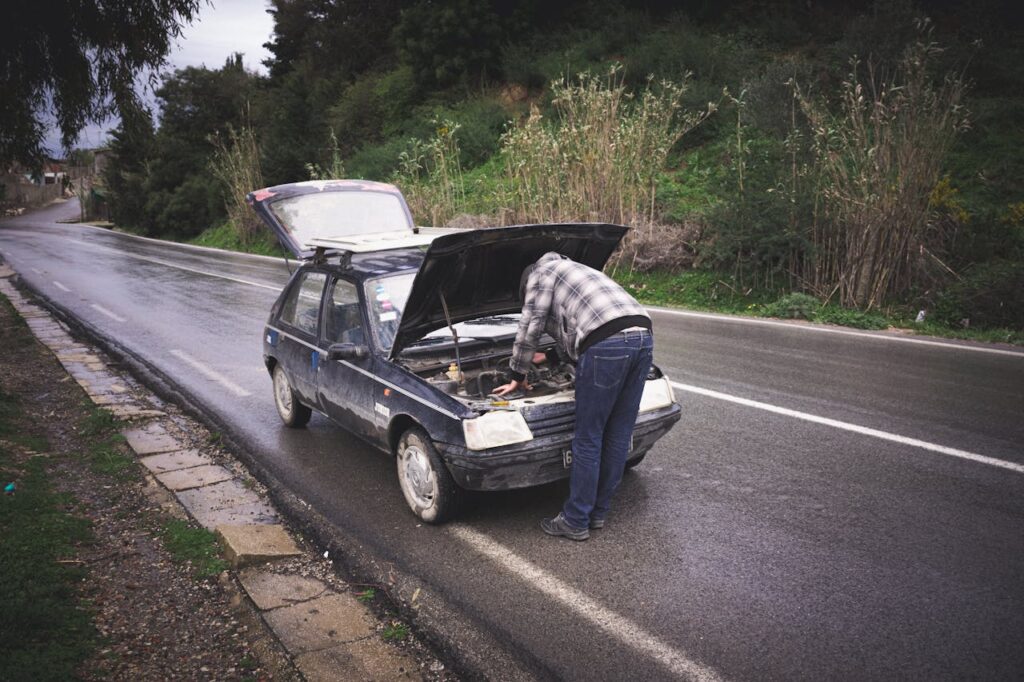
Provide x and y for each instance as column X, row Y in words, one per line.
column 877, row 163
column 598, row 160
column 236, row 163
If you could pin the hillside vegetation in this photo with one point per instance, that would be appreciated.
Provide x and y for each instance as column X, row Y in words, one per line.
column 846, row 162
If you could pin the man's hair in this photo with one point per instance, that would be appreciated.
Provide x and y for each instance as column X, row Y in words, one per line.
column 527, row 271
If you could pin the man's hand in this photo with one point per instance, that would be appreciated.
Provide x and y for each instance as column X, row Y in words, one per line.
column 539, row 358
column 511, row 386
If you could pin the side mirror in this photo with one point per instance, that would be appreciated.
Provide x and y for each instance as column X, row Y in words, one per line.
column 347, row 351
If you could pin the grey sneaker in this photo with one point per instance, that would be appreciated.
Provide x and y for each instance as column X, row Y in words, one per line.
column 559, row 527
column 596, row 524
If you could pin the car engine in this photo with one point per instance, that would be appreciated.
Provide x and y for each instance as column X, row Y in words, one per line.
column 480, row 378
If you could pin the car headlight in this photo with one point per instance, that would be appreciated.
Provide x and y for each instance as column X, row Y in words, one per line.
column 495, row 429
column 657, row 393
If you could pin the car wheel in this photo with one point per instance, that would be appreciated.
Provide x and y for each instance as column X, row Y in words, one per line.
column 293, row 413
column 635, row 462
column 429, row 489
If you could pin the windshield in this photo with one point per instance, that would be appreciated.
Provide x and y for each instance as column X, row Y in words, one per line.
column 386, row 297
column 340, row 214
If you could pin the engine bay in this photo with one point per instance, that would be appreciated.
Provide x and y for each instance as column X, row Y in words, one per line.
column 479, row 377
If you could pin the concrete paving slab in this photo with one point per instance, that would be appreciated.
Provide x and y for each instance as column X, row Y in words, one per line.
column 367, row 659
column 133, row 412
column 219, row 495
column 273, row 590
column 100, row 383
column 76, row 356
column 172, row 461
column 108, row 399
column 151, row 439
column 253, row 513
column 246, row 545
column 320, row 623
column 194, row 477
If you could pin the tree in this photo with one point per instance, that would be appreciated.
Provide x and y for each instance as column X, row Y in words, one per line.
column 79, row 60
column 161, row 181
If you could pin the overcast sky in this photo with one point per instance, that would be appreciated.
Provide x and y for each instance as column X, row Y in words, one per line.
column 222, row 28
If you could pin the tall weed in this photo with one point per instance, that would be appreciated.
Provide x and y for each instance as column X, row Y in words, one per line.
column 236, row 164
column 430, row 175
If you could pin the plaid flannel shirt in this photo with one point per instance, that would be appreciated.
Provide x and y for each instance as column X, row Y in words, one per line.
column 568, row 300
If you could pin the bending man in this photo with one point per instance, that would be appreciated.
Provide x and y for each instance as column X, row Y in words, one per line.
column 607, row 334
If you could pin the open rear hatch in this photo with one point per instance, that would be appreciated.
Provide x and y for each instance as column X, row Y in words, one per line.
column 343, row 215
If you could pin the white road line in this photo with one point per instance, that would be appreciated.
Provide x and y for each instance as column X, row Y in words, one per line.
column 863, row 430
column 623, row 629
column 182, row 267
column 182, row 245
column 106, row 312
column 60, row 286
column 211, row 374
column 835, row 330
column 37, row 271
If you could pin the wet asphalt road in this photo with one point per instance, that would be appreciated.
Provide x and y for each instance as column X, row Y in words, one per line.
column 749, row 545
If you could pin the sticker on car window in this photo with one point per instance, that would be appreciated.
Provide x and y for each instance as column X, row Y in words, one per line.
column 388, row 316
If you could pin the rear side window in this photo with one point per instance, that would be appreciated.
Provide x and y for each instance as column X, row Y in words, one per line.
column 302, row 308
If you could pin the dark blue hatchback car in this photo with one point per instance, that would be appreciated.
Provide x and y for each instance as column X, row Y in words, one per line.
column 400, row 334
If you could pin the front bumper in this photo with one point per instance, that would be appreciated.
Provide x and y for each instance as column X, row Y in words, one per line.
column 540, row 460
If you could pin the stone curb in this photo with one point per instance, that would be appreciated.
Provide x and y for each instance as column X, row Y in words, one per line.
column 327, row 632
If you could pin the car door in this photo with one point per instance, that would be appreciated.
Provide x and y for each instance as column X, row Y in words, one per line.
column 345, row 387
column 300, row 326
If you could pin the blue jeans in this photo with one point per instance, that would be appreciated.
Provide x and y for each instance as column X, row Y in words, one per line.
column 610, row 379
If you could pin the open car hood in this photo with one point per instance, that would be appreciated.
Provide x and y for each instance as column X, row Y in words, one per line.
column 477, row 271
column 344, row 215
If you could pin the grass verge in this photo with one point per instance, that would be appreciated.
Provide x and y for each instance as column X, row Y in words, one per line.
column 45, row 630
column 712, row 292
column 195, row 546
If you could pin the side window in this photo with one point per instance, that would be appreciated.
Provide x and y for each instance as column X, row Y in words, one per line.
column 303, row 304
column 344, row 319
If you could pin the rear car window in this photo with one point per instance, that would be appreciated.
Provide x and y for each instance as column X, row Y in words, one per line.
column 302, row 307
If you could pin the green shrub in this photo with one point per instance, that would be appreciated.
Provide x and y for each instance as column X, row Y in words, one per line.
column 795, row 306
column 990, row 295
column 850, row 317
column 376, row 161
column 482, row 121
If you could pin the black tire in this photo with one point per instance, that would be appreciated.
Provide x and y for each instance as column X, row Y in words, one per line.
column 635, row 462
column 293, row 413
column 428, row 488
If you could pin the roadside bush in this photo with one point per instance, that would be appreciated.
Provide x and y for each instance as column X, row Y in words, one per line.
column 356, row 116
column 990, row 295
column 482, row 121
column 519, row 65
column 850, row 317
column 376, row 161
column 795, row 306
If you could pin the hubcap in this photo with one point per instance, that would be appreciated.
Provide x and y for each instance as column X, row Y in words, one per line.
column 418, row 476
column 283, row 392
